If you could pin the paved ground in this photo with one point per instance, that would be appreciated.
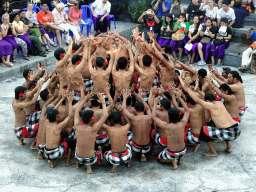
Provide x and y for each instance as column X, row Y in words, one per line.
column 20, row 169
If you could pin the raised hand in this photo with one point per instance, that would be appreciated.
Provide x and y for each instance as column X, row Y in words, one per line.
column 101, row 98
column 70, row 97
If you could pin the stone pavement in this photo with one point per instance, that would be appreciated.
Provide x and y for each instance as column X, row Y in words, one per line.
column 235, row 172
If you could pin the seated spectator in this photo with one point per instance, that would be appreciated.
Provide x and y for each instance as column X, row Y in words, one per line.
column 208, row 32
column 5, row 50
column 35, row 40
column 166, row 30
column 226, row 12
column 210, row 12
column 75, row 16
column 5, row 8
column 38, row 31
column 176, row 9
column 10, row 34
column 221, row 42
column 194, row 38
column 231, row 3
column 45, row 18
column 60, row 18
column 242, row 9
column 151, row 20
column 180, row 36
column 100, row 10
column 193, row 10
column 247, row 54
column 163, row 7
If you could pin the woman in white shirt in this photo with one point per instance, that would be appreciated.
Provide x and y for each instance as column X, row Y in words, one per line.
column 210, row 12
column 100, row 10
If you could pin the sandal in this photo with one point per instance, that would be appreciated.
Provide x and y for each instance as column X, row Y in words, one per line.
column 54, row 45
column 26, row 58
column 9, row 64
column 13, row 60
column 44, row 44
column 65, row 32
column 48, row 50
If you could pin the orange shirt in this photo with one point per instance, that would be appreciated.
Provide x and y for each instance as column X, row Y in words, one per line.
column 44, row 18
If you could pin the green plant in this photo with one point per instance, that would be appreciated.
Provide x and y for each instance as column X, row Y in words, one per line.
column 136, row 10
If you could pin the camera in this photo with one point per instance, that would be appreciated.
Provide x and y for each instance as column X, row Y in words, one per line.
column 148, row 12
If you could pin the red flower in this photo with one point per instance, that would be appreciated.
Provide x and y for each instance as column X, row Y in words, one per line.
column 79, row 62
column 145, row 108
column 21, row 94
column 61, row 54
column 58, row 115
column 122, row 117
column 33, row 86
column 92, row 118
column 73, row 51
column 48, row 95
column 28, row 76
column 105, row 62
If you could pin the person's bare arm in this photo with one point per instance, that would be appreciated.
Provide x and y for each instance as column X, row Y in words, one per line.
column 67, row 53
column 159, row 122
column 125, row 111
column 129, row 48
column 188, row 68
column 174, row 102
column 139, row 96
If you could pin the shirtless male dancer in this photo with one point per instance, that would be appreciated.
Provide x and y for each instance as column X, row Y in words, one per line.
column 86, row 131
column 30, row 76
column 141, row 125
column 175, row 135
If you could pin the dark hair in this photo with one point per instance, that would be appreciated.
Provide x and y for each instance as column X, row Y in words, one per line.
column 226, row 69
column 76, row 47
column 122, row 62
column 171, row 22
column 94, row 101
column 22, row 10
column 99, row 62
column 51, row 115
column 177, row 1
column 14, row 15
column 209, row 97
column 18, row 90
column 190, row 100
column 116, row 117
column 75, row 59
column 209, row 19
column 64, row 134
column 174, row 115
column 177, row 71
column 167, row 94
column 183, row 15
column 86, row 116
column 236, row 75
column 43, row 94
column 32, row 83
column 139, row 106
column 43, row 2
column 226, row 87
column 147, row 60
column 168, row 49
column 166, row 103
column 49, row 108
column 26, row 72
column 166, row 57
column 58, row 52
column 202, row 72
column 225, row 2
column 224, row 20
column 199, row 84
column 37, row 106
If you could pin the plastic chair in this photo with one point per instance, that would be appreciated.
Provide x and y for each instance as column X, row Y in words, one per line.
column 67, row 11
column 25, row 9
column 64, row 1
column 88, row 21
column 36, row 9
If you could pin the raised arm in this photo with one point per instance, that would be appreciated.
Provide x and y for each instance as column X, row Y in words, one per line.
column 125, row 111
column 129, row 48
column 159, row 122
column 67, row 53
column 139, row 96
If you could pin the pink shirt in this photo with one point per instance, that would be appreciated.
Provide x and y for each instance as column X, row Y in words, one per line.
column 75, row 15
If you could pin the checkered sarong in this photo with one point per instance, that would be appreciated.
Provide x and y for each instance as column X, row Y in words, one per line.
column 72, row 134
column 102, row 139
column 190, row 137
column 88, row 84
column 33, row 118
column 40, row 147
column 227, row 134
column 116, row 158
column 97, row 157
column 129, row 135
column 155, row 83
column 158, row 140
column 170, row 155
column 56, row 153
column 241, row 111
column 106, row 99
column 140, row 149
column 26, row 131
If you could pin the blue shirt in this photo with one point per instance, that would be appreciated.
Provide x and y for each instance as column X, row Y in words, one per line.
column 167, row 4
column 253, row 35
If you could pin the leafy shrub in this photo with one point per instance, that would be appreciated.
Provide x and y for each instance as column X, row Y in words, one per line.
column 135, row 10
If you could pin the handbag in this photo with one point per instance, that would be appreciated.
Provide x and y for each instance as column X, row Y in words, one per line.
column 205, row 40
column 165, row 33
column 178, row 35
column 218, row 42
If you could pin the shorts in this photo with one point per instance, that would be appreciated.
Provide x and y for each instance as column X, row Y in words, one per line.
column 97, row 157
column 158, row 140
column 40, row 147
column 116, row 158
column 102, row 139
column 129, row 135
column 33, row 118
column 88, row 85
column 171, row 155
column 26, row 131
column 56, row 153
column 140, row 148
column 209, row 133
column 241, row 111
column 190, row 137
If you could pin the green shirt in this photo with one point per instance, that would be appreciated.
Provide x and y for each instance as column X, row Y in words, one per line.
column 179, row 26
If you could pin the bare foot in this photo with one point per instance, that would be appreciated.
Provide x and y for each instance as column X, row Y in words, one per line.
column 196, row 147
column 114, row 169
column 143, row 157
column 78, row 165
column 100, row 149
column 128, row 165
column 51, row 165
column 210, row 154
column 180, row 160
column 68, row 163
column 40, row 155
column 228, row 150
column 217, row 141
column 89, row 169
column 174, row 162
column 21, row 141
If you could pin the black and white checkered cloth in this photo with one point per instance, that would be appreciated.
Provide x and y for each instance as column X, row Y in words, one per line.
column 56, row 153
column 116, row 158
column 72, row 134
column 102, row 139
column 97, row 157
column 129, row 135
column 40, row 147
column 26, row 131
column 155, row 83
column 191, row 138
column 33, row 118
column 88, row 84
column 241, row 111
column 169, row 155
column 140, row 149
column 158, row 140
column 227, row 134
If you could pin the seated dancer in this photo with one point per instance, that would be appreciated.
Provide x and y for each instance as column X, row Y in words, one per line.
column 30, row 76
column 86, row 131
column 175, row 135
column 120, row 146
column 22, row 129
column 53, row 148
column 202, row 75
column 147, row 74
column 226, row 128
column 141, row 125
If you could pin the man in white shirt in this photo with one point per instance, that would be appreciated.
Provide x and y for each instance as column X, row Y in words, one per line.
column 60, row 18
column 227, row 12
column 100, row 10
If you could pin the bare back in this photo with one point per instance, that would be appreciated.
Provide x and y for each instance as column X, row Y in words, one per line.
column 167, row 77
column 52, row 135
column 175, row 136
column 20, row 115
column 100, row 79
column 196, row 118
column 163, row 115
column 122, row 79
column 147, row 77
column 41, row 135
column 240, row 95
